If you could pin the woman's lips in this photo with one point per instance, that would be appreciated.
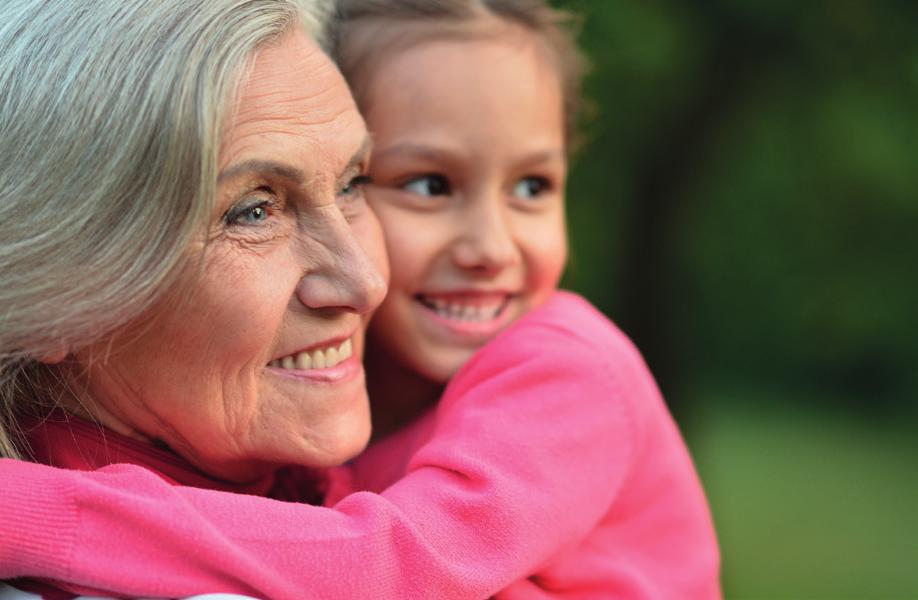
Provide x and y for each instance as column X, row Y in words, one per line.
column 343, row 371
column 317, row 358
column 332, row 363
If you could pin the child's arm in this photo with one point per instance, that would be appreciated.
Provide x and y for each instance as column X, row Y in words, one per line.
column 530, row 446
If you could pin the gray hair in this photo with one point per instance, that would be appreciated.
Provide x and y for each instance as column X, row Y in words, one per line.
column 355, row 50
column 110, row 119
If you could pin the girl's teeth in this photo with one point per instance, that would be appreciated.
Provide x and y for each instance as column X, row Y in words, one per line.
column 316, row 359
column 459, row 312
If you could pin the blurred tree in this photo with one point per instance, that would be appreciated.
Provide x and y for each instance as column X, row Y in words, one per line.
column 746, row 208
column 745, row 203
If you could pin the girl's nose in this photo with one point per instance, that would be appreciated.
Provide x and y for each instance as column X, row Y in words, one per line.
column 487, row 242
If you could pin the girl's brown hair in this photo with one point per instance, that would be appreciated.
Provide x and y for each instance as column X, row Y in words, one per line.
column 361, row 32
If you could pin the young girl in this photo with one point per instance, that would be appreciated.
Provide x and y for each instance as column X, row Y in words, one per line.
column 522, row 448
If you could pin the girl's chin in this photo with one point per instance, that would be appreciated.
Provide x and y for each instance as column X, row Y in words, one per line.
column 438, row 363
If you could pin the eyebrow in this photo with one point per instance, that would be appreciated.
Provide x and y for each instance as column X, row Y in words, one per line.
column 263, row 166
column 286, row 171
column 541, row 156
column 441, row 155
column 416, row 150
column 362, row 154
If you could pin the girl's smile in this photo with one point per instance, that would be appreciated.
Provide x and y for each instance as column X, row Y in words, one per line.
column 465, row 316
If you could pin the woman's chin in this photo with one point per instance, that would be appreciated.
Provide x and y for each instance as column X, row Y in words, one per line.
column 344, row 441
column 327, row 444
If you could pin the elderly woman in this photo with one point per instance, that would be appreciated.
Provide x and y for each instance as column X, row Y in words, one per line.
column 183, row 178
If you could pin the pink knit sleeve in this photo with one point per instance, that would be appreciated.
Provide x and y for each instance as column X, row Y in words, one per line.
column 530, row 446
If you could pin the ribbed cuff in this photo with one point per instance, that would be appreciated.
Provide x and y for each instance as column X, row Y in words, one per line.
column 38, row 521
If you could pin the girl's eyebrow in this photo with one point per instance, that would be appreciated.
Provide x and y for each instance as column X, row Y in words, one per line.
column 416, row 151
column 433, row 154
column 541, row 157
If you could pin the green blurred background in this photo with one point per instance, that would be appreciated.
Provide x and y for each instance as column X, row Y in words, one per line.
column 745, row 206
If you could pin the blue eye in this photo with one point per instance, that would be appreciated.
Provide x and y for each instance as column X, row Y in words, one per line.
column 248, row 213
column 353, row 186
column 531, row 187
column 428, row 185
column 254, row 214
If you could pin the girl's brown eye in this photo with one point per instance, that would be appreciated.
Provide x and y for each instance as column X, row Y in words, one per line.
column 428, row 185
column 531, row 187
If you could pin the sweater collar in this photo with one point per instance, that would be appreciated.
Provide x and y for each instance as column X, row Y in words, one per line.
column 66, row 441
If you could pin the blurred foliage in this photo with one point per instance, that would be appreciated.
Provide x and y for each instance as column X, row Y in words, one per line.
column 745, row 206
column 745, row 202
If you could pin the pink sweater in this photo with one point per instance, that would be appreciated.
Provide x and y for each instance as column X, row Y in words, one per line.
column 550, row 469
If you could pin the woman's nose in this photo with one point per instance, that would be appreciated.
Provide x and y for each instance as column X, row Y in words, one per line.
column 340, row 274
column 486, row 243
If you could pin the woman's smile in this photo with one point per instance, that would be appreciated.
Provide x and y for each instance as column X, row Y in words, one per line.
column 264, row 343
column 332, row 361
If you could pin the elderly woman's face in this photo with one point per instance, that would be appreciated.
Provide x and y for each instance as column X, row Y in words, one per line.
column 259, row 365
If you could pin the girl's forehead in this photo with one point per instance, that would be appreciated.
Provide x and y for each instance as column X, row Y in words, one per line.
column 475, row 99
column 504, row 73
column 372, row 45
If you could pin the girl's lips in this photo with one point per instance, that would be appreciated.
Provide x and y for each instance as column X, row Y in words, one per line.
column 466, row 305
column 470, row 321
column 476, row 298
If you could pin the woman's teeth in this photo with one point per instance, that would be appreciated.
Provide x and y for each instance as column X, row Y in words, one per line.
column 463, row 312
column 316, row 359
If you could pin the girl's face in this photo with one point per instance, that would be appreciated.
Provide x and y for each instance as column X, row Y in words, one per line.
column 469, row 167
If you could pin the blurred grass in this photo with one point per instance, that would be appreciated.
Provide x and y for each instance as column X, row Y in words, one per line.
column 808, row 503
